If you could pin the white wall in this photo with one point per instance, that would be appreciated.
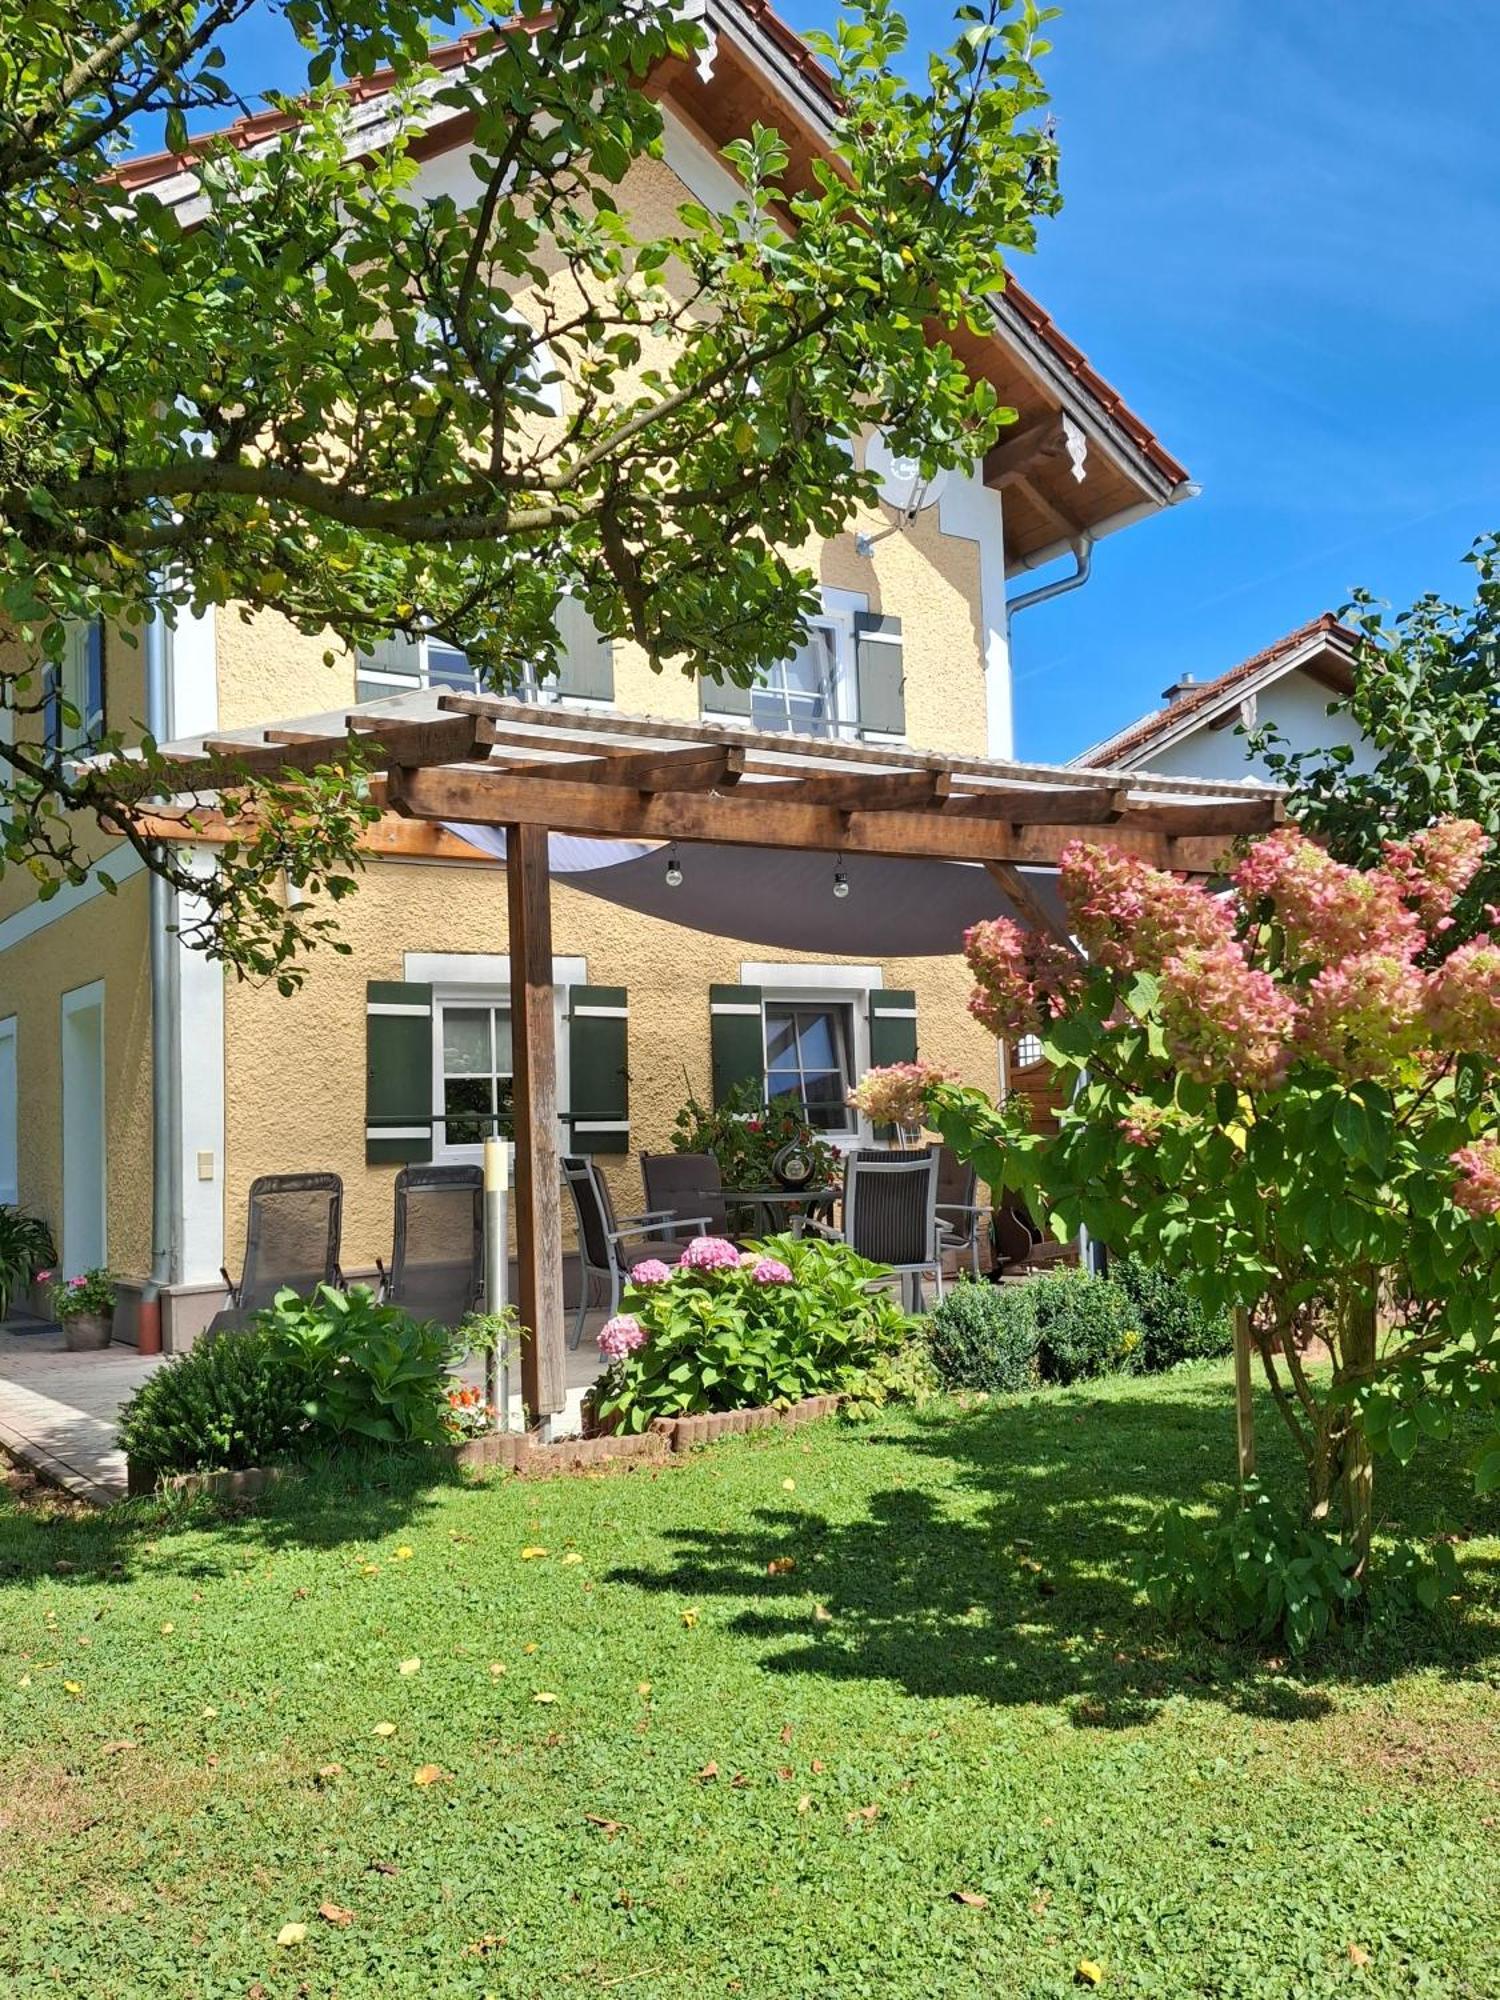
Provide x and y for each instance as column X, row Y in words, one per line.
column 1296, row 704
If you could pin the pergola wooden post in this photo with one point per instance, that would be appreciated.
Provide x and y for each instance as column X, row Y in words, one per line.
column 544, row 1374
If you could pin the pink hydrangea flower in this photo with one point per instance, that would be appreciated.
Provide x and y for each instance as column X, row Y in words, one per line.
column 1478, row 1186
column 1143, row 1122
column 650, row 1271
column 1017, row 975
column 1329, row 912
column 1133, row 917
column 1363, row 1016
column 620, row 1336
column 1225, row 1020
column 770, row 1271
column 710, row 1253
column 1435, row 867
column 1465, row 998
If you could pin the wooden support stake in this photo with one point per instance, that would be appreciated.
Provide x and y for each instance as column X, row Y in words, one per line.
column 538, row 1166
column 1244, row 1409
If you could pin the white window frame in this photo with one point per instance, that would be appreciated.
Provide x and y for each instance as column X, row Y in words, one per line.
column 10, row 1110
column 837, row 619
column 482, row 979
column 70, row 677
column 544, row 693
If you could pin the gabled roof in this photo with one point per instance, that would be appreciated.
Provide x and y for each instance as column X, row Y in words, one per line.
column 760, row 67
column 1323, row 648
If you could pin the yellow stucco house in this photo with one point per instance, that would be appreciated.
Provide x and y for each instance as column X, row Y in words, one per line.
column 912, row 646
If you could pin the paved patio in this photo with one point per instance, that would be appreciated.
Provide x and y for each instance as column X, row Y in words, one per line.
column 59, row 1412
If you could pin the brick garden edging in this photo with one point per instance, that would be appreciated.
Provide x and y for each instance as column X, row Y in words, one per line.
column 682, row 1433
column 525, row 1454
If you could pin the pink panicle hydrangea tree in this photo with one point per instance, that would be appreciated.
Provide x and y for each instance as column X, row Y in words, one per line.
column 1286, row 1095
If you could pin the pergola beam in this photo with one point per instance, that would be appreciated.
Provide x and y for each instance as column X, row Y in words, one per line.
column 714, row 768
column 749, row 818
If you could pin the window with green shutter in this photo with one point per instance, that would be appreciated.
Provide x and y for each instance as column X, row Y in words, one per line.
column 737, row 1039
column 398, row 1072
column 598, row 1115
column 893, row 1027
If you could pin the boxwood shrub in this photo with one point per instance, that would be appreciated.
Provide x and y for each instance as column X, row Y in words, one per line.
column 1085, row 1326
column 985, row 1337
column 227, row 1403
column 1173, row 1325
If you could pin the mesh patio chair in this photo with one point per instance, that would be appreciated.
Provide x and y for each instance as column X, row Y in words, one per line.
column 437, row 1266
column 608, row 1247
column 960, row 1216
column 291, row 1242
column 685, row 1183
column 890, row 1216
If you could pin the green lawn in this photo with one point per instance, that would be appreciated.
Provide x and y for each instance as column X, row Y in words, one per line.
column 801, row 1691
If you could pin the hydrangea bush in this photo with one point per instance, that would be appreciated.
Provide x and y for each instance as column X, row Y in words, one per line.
column 1285, row 1096
column 734, row 1329
column 896, row 1093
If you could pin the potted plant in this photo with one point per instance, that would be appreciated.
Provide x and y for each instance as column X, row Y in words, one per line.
column 86, row 1307
column 25, row 1246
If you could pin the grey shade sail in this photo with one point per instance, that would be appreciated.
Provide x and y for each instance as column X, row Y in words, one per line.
column 783, row 898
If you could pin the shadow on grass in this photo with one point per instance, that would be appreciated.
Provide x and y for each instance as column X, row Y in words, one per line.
column 1010, row 1578
column 353, row 1498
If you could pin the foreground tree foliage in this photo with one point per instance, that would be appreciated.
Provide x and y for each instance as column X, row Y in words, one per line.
column 302, row 390
column 1286, row 1097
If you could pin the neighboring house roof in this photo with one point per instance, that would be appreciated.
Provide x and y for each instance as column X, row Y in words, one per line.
column 758, row 65
column 1323, row 648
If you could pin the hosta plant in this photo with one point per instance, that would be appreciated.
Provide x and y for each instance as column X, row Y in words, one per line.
column 1284, row 1097
column 731, row 1329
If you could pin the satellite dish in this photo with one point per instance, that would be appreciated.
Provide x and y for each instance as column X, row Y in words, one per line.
column 901, row 483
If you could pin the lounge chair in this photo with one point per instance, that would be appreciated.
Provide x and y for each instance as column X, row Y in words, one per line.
column 607, row 1246
column 437, row 1266
column 291, row 1243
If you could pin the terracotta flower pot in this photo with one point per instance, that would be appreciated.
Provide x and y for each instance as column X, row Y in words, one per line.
column 86, row 1332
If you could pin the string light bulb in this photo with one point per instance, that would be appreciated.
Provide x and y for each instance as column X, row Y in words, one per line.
column 673, row 876
column 840, row 880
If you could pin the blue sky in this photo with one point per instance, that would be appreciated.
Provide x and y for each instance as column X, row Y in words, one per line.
column 1281, row 241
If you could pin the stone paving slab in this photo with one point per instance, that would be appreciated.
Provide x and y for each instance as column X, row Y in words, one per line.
column 59, row 1412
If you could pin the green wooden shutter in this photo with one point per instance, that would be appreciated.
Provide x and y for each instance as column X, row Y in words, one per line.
column 880, row 672
column 737, row 1038
column 893, row 1027
column 585, row 661
column 91, row 702
column 398, row 1073
column 722, row 698
column 598, row 1115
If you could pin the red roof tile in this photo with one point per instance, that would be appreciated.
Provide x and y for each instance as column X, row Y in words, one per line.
column 1126, row 743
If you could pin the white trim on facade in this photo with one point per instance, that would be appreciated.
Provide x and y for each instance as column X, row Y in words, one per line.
column 971, row 511
column 199, row 1139
column 480, row 968
column 119, row 866
column 85, row 1131
column 10, row 1109
column 789, row 978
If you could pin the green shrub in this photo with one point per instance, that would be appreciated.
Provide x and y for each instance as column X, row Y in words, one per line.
column 1085, row 1326
column 229, row 1402
column 904, row 1374
column 745, row 1133
column 1173, row 1325
column 364, row 1370
column 985, row 1337
column 717, row 1337
column 26, row 1248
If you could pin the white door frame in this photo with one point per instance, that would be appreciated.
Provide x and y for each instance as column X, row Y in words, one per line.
column 85, row 1159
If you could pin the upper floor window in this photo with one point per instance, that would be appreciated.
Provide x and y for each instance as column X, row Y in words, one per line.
column 397, row 664
column 73, row 691
column 847, row 679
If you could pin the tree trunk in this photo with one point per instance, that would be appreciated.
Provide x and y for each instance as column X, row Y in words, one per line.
column 1358, row 1467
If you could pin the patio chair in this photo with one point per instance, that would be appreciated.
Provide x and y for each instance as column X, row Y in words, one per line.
column 890, row 1216
column 437, row 1266
column 959, row 1214
column 291, row 1243
column 678, row 1182
column 607, row 1246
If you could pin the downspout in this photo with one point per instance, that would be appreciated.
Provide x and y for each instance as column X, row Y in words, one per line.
column 165, row 1246
column 1083, row 562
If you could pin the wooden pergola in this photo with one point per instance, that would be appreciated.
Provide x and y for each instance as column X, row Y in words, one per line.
column 535, row 770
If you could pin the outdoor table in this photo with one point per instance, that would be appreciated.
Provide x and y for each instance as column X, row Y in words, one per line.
column 767, row 1200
